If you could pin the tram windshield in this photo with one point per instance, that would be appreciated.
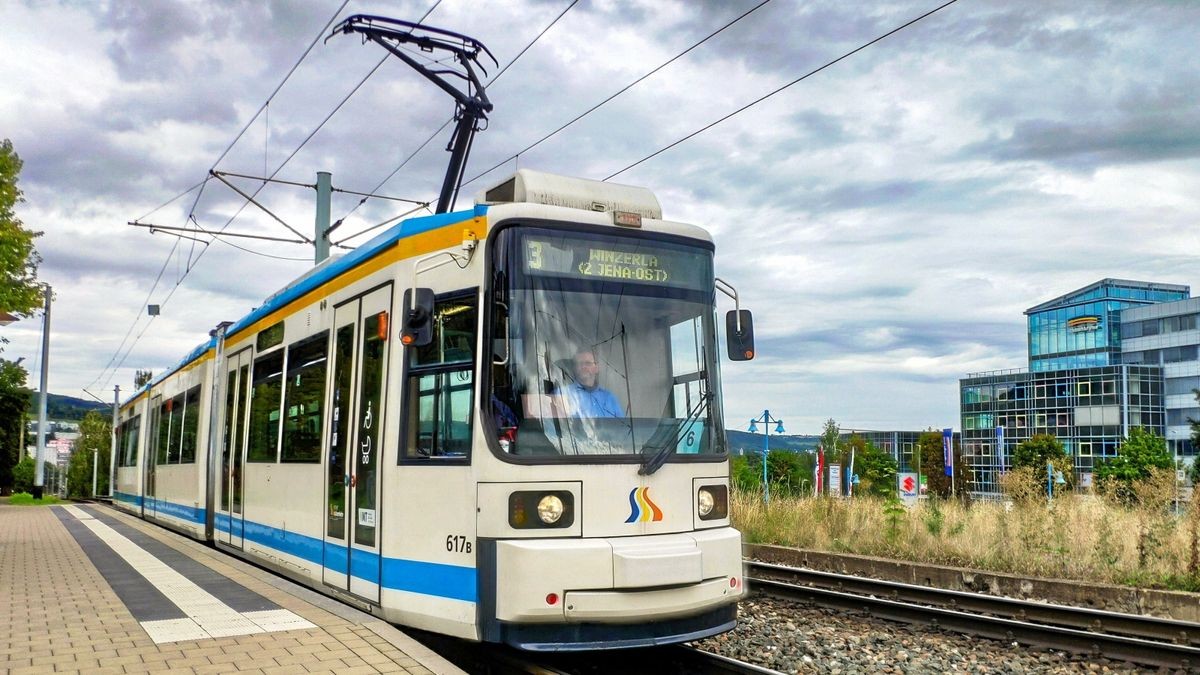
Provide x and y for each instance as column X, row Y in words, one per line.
column 604, row 345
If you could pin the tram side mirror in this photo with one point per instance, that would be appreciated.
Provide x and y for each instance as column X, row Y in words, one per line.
column 739, row 334
column 418, row 318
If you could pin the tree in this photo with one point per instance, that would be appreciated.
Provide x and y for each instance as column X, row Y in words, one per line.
column 1036, row 451
column 933, row 466
column 829, row 441
column 14, row 402
column 1142, row 451
column 141, row 377
column 20, row 293
column 876, row 469
column 95, row 434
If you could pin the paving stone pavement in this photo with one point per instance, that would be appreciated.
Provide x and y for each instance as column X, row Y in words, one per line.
column 58, row 614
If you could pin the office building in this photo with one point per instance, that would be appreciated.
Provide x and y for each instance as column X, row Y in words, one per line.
column 1103, row 359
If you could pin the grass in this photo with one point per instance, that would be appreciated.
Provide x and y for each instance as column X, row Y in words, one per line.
column 26, row 499
column 1076, row 537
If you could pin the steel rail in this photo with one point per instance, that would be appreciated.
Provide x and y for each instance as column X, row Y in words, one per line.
column 1082, row 618
column 1136, row 650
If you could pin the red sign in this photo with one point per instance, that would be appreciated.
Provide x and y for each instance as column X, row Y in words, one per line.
column 908, row 484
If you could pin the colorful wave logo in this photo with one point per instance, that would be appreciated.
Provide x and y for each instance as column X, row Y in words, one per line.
column 641, row 509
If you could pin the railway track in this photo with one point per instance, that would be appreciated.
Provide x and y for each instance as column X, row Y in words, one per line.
column 1138, row 639
column 490, row 659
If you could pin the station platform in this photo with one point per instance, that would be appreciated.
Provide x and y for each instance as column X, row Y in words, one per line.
column 85, row 588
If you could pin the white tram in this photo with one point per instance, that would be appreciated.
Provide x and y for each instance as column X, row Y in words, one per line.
column 402, row 426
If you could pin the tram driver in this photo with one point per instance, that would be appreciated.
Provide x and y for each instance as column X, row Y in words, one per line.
column 585, row 397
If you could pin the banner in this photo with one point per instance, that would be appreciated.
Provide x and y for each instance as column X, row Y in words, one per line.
column 835, row 480
column 948, row 450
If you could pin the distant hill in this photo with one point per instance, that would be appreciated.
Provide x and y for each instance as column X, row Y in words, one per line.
column 59, row 407
column 741, row 442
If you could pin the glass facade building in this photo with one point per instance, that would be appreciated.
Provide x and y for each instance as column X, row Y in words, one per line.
column 1083, row 328
column 1168, row 335
column 1103, row 359
column 1090, row 410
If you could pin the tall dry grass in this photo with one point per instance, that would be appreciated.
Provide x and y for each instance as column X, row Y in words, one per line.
column 1074, row 537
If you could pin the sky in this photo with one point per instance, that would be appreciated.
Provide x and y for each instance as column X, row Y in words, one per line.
column 887, row 219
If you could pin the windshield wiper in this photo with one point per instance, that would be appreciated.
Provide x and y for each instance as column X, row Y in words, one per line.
column 664, row 451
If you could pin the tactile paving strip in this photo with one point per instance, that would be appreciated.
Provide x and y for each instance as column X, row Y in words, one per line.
column 198, row 613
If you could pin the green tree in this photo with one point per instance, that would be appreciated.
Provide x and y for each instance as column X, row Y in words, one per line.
column 95, row 434
column 789, row 473
column 141, row 377
column 933, row 466
column 876, row 469
column 1142, row 451
column 14, row 402
column 829, row 441
column 20, row 293
column 1036, row 451
column 23, row 474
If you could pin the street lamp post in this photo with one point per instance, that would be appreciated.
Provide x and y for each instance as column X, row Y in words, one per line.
column 766, row 419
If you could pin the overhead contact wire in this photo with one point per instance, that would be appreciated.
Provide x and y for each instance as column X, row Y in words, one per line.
column 618, row 93
column 776, row 91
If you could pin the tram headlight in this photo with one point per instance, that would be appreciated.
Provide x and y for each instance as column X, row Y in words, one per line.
column 550, row 509
column 554, row 509
column 712, row 502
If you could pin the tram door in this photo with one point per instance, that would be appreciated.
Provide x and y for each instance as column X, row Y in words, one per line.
column 233, row 450
column 151, row 459
column 352, row 498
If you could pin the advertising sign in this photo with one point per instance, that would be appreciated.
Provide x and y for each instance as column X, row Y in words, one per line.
column 908, row 487
column 835, row 480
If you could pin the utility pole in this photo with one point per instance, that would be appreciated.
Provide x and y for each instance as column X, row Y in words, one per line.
column 39, row 473
column 112, row 456
column 321, row 227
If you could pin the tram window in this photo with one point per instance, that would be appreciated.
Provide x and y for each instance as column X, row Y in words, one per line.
column 269, row 337
column 190, row 426
column 129, row 442
column 304, row 398
column 267, row 389
column 163, row 432
column 440, row 395
column 176, row 430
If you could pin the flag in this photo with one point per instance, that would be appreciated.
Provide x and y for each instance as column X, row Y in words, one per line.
column 1000, row 447
column 819, row 469
column 948, row 450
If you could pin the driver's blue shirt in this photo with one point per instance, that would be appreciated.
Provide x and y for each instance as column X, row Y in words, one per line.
column 594, row 402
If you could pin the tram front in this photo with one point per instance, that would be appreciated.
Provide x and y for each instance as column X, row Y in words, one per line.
column 604, row 502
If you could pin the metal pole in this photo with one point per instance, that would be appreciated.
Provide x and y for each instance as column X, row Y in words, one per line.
column 766, row 451
column 321, row 226
column 39, row 476
column 95, row 468
column 112, row 458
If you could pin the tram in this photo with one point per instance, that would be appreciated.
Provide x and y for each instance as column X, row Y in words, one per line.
column 502, row 424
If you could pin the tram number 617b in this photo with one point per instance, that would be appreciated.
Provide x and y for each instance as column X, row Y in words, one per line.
column 457, row 543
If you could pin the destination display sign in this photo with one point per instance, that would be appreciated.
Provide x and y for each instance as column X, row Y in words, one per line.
column 608, row 260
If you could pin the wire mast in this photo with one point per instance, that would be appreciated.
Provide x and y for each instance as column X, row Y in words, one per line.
column 471, row 105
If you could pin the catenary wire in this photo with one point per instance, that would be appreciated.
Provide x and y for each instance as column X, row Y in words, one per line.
column 618, row 93
column 776, row 91
column 434, row 135
column 203, row 183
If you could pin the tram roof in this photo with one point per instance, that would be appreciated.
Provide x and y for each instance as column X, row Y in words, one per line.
column 321, row 274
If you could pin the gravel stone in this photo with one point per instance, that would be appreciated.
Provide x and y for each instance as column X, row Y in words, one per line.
column 795, row 637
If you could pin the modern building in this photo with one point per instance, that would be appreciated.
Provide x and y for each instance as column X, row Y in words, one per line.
column 1102, row 360
column 899, row 444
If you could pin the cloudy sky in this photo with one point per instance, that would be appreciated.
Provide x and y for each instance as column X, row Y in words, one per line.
column 888, row 219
